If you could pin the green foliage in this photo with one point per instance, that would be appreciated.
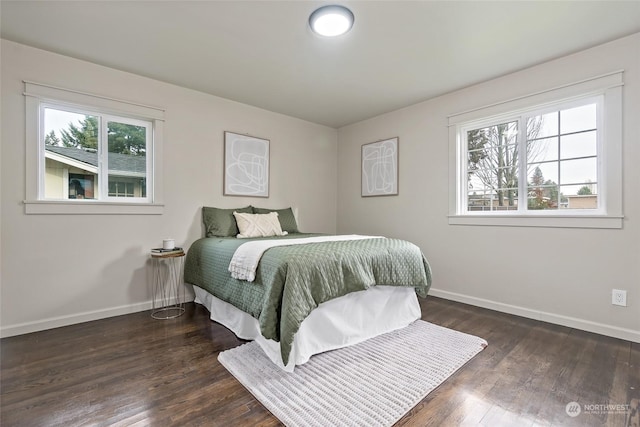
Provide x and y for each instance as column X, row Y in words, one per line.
column 122, row 138
column 83, row 136
column 584, row 191
column 126, row 139
column 476, row 140
column 537, row 178
column 51, row 139
column 543, row 194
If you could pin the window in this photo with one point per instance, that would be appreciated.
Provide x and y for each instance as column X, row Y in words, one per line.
column 80, row 186
column 562, row 158
column 553, row 163
column 89, row 154
column 547, row 157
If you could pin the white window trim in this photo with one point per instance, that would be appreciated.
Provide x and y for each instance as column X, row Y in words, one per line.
column 37, row 94
column 609, row 213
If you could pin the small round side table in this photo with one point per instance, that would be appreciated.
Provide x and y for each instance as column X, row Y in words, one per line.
column 168, row 290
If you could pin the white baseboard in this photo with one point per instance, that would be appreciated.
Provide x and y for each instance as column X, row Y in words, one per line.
column 572, row 322
column 72, row 319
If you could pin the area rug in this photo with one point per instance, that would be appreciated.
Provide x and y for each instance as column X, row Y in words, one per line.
column 373, row 383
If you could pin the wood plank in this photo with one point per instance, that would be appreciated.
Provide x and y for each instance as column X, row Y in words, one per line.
column 633, row 386
column 135, row 370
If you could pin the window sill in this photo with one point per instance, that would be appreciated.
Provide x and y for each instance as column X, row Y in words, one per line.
column 555, row 221
column 62, row 207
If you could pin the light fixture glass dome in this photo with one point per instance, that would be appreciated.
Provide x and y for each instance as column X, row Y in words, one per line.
column 331, row 21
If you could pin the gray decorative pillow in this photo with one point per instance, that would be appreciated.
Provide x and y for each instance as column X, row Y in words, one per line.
column 287, row 220
column 221, row 222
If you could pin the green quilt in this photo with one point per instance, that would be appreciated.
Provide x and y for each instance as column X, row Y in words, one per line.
column 291, row 281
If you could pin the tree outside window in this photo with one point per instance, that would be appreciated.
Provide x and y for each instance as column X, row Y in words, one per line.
column 72, row 143
column 553, row 158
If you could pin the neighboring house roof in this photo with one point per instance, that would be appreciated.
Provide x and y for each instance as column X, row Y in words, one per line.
column 120, row 164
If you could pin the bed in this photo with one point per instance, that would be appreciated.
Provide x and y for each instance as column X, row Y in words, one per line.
column 307, row 293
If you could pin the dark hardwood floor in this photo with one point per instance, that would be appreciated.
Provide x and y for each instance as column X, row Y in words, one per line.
column 134, row 370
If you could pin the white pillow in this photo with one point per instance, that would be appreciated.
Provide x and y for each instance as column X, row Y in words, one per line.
column 258, row 225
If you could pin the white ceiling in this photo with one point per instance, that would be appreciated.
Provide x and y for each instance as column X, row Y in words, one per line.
column 262, row 53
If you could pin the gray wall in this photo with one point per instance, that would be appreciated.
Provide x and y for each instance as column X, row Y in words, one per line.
column 58, row 270
column 61, row 269
column 560, row 275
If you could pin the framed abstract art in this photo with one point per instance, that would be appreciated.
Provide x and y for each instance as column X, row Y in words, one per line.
column 246, row 165
column 380, row 168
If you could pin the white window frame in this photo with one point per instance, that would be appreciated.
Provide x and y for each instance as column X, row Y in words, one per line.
column 40, row 96
column 607, row 91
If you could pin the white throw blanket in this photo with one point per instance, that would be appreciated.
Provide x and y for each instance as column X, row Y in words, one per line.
column 245, row 259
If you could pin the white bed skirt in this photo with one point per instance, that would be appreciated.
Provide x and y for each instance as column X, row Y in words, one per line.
column 338, row 323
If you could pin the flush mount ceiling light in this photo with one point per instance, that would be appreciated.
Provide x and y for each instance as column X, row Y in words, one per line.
column 331, row 21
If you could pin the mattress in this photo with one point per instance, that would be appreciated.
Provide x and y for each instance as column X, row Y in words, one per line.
column 293, row 281
column 338, row 323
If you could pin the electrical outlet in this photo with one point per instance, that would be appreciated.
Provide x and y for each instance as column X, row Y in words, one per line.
column 619, row 297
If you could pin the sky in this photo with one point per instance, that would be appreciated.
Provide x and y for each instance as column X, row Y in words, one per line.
column 564, row 150
column 58, row 119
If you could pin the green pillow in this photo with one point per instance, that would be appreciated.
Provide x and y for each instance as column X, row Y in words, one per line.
column 221, row 222
column 287, row 220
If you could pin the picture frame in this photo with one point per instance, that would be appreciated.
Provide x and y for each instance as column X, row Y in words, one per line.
column 379, row 168
column 246, row 165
